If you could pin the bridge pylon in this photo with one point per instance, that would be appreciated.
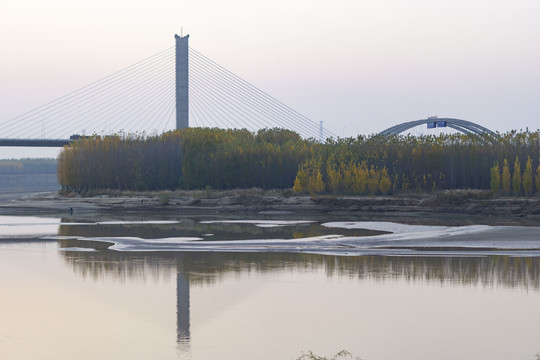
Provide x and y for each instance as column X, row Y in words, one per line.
column 182, row 81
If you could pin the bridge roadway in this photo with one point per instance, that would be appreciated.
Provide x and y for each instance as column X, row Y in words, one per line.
column 463, row 126
column 35, row 142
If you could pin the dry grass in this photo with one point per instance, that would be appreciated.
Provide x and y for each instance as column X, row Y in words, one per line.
column 458, row 196
column 343, row 354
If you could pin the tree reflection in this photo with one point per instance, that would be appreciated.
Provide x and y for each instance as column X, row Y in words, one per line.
column 208, row 267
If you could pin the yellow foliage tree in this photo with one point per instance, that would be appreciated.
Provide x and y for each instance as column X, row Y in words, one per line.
column 516, row 177
column 316, row 183
column 385, row 183
column 505, row 182
column 301, row 180
column 495, row 181
column 361, row 175
column 334, row 179
column 528, row 177
column 348, row 180
column 373, row 181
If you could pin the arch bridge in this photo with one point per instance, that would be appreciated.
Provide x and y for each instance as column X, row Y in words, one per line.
column 464, row 126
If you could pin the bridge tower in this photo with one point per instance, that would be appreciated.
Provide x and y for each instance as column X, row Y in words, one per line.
column 182, row 82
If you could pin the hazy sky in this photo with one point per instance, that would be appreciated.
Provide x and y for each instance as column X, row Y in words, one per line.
column 358, row 65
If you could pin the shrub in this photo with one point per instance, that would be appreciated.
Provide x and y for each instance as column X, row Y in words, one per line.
column 164, row 198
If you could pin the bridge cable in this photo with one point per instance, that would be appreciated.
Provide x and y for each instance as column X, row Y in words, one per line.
column 135, row 101
column 247, row 95
column 260, row 94
column 68, row 108
column 108, row 102
column 220, row 109
column 52, row 103
column 218, row 91
column 248, row 106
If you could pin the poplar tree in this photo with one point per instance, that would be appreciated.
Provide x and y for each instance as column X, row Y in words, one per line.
column 348, row 180
column 537, row 179
column 361, row 175
column 528, row 177
column 301, row 180
column 193, row 158
column 316, row 183
column 505, row 182
column 373, row 181
column 333, row 179
column 516, row 177
column 495, row 182
column 385, row 183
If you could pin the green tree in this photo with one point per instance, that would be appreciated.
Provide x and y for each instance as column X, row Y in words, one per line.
column 516, row 177
column 385, row 183
column 495, row 182
column 505, row 181
column 528, row 177
column 373, row 181
column 193, row 158
column 348, row 180
column 537, row 179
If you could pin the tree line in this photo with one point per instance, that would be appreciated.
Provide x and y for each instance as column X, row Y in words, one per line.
column 195, row 158
column 27, row 166
column 408, row 163
column 191, row 158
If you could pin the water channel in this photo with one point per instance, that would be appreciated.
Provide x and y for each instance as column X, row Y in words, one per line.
column 175, row 288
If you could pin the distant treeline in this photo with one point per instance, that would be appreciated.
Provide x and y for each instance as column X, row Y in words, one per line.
column 27, row 166
column 196, row 158
column 28, row 175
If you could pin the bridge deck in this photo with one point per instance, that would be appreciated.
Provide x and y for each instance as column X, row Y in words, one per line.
column 35, row 142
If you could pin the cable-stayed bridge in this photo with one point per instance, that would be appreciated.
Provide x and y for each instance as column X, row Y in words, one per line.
column 175, row 88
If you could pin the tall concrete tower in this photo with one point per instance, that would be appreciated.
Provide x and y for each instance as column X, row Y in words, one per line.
column 182, row 82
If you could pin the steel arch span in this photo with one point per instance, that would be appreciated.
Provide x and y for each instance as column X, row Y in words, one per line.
column 463, row 126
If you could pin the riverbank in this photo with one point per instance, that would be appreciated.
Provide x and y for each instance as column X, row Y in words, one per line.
column 463, row 206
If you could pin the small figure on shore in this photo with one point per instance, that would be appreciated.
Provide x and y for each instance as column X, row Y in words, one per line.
column 71, row 211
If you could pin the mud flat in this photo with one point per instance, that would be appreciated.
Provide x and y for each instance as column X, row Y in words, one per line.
column 460, row 207
column 472, row 240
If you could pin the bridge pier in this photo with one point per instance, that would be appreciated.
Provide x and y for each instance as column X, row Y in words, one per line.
column 182, row 82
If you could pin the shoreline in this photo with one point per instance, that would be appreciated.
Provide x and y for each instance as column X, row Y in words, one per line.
column 458, row 206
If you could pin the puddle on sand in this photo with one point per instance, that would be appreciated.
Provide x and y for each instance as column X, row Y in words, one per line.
column 339, row 238
column 210, row 230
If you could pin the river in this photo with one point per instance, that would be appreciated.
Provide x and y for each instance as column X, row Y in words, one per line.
column 175, row 288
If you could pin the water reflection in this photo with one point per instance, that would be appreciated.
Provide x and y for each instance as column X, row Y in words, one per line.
column 207, row 230
column 28, row 227
column 208, row 269
column 183, row 312
column 190, row 299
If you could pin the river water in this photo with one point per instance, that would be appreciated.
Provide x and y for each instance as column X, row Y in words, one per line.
column 265, row 288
